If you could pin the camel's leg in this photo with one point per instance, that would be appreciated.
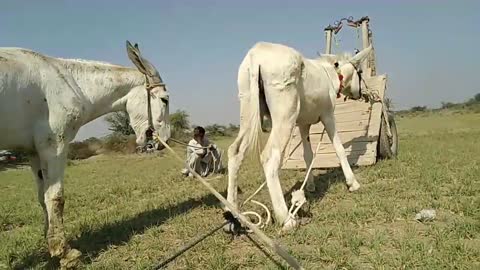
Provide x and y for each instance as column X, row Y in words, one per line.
column 236, row 153
column 284, row 110
column 38, row 175
column 53, row 159
column 237, row 149
column 329, row 123
column 307, row 154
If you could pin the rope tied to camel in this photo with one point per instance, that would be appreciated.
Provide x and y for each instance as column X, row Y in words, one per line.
column 297, row 201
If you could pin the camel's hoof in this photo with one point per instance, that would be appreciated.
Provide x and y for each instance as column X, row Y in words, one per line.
column 289, row 225
column 57, row 245
column 229, row 228
column 71, row 259
column 354, row 187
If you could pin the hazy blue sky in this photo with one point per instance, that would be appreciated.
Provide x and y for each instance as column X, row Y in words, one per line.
column 429, row 49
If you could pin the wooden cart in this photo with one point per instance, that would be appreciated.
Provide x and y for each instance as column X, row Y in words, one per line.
column 367, row 130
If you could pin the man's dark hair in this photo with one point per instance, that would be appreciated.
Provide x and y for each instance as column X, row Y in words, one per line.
column 198, row 131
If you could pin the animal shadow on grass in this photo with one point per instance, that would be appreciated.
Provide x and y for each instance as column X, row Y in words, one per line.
column 35, row 259
column 92, row 242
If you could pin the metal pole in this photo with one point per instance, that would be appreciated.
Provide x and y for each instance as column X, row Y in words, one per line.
column 373, row 61
column 365, row 43
column 328, row 40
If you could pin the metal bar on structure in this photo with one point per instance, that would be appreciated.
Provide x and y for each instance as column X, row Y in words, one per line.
column 328, row 40
column 365, row 43
column 365, row 40
column 373, row 61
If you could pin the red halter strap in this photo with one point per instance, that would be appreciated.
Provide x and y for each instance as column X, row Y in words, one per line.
column 340, row 77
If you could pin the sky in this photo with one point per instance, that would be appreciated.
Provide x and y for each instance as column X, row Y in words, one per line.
column 428, row 49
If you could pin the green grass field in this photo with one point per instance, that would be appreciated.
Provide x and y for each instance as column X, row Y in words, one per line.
column 129, row 212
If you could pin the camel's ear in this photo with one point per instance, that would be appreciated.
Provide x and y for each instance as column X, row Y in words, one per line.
column 141, row 63
column 358, row 58
column 134, row 55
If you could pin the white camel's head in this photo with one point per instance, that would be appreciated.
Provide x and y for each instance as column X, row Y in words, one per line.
column 137, row 102
column 350, row 69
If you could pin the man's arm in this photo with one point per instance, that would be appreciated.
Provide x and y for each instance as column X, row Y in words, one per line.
column 197, row 148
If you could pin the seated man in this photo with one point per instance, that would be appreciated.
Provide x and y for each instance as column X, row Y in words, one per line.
column 202, row 156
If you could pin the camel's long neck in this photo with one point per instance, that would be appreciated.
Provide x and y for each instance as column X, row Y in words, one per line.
column 105, row 87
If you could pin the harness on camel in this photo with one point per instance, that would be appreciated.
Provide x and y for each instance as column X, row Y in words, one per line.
column 340, row 78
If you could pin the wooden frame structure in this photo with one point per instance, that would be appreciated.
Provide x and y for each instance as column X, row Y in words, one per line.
column 358, row 123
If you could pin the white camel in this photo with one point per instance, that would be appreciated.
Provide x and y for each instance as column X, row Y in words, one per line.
column 277, row 81
column 43, row 103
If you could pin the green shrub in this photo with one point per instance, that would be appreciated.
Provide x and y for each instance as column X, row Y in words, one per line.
column 80, row 150
column 120, row 143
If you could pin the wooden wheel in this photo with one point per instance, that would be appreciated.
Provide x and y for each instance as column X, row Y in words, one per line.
column 387, row 147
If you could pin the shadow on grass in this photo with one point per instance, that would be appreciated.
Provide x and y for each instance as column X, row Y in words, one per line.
column 38, row 259
column 92, row 242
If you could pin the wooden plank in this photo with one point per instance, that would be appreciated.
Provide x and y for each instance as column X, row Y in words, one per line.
column 354, row 125
column 355, row 110
column 350, row 139
column 363, row 115
column 352, row 133
column 325, row 160
column 340, row 102
column 350, row 147
column 358, row 106
column 352, row 116
column 332, row 161
column 353, row 157
column 344, row 137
